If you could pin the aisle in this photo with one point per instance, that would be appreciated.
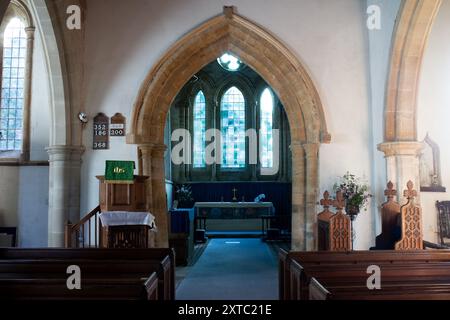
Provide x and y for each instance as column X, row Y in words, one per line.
column 232, row 269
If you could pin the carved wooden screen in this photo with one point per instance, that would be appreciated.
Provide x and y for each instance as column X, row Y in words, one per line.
column 390, row 215
column 340, row 227
column 411, row 215
column 324, row 222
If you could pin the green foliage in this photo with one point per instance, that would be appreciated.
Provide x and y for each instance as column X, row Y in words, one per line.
column 355, row 191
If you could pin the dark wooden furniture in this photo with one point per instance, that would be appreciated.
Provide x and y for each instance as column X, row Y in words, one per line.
column 390, row 221
column 126, row 236
column 421, row 274
column 200, row 230
column 443, row 208
column 10, row 231
column 334, row 229
column 106, row 273
column 123, row 197
column 411, row 222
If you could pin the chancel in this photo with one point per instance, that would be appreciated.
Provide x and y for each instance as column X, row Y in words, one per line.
column 261, row 150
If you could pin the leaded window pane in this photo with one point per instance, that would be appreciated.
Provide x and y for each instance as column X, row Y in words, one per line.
column 13, row 79
column 232, row 115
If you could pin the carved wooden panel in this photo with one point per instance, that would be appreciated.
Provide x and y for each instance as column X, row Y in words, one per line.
column 340, row 227
column 390, row 215
column 340, row 232
column 323, row 222
column 411, row 215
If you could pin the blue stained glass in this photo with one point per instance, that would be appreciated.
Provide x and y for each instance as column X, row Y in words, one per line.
column 11, row 112
column 199, row 130
column 232, row 116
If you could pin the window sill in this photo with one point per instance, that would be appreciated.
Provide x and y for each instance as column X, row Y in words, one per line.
column 19, row 163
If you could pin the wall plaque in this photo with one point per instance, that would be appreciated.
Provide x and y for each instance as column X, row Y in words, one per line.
column 117, row 128
column 101, row 132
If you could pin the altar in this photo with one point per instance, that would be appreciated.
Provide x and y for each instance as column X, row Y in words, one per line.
column 233, row 216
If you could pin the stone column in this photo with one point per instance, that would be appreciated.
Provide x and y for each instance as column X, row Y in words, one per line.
column 153, row 167
column 159, row 196
column 64, row 190
column 298, row 197
column 27, row 95
column 146, row 160
column 402, row 164
column 312, row 190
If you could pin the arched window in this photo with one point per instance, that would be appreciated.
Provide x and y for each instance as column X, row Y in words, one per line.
column 266, row 128
column 232, row 120
column 13, row 82
column 199, row 128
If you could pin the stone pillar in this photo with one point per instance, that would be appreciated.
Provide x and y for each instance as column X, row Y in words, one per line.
column 153, row 167
column 298, row 197
column 402, row 164
column 312, row 190
column 27, row 95
column 64, row 190
column 146, row 160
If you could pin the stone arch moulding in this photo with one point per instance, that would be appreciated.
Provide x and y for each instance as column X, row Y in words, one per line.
column 410, row 37
column 414, row 24
column 280, row 68
column 60, row 129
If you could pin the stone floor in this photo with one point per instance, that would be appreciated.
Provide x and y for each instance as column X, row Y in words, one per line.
column 232, row 269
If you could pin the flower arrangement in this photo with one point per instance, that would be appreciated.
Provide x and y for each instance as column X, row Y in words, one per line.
column 184, row 196
column 355, row 192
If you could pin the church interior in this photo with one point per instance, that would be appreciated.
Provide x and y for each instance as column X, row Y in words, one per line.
column 224, row 150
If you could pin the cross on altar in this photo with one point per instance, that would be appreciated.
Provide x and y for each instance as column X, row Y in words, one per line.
column 234, row 194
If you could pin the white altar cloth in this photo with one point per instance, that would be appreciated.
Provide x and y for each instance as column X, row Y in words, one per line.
column 120, row 218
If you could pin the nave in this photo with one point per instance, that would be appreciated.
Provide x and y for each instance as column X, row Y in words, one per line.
column 232, row 269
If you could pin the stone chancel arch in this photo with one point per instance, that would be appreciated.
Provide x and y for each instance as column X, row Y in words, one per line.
column 257, row 48
column 410, row 39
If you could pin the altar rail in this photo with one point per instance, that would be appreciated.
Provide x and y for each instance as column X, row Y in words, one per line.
column 85, row 233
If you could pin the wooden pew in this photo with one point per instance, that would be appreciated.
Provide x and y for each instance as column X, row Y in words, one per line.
column 52, row 288
column 344, row 275
column 100, row 264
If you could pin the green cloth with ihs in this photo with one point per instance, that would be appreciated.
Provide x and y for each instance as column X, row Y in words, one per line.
column 119, row 171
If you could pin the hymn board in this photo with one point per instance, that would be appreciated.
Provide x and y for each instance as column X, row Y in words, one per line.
column 103, row 128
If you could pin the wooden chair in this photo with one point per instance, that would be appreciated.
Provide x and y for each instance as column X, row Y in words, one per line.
column 390, row 217
column 411, row 215
column 444, row 221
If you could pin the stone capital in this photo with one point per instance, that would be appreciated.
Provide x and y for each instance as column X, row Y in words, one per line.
column 311, row 149
column 65, row 153
column 401, row 148
column 153, row 150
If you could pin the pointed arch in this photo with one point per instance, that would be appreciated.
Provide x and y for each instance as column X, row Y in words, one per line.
column 282, row 71
column 235, row 34
column 414, row 23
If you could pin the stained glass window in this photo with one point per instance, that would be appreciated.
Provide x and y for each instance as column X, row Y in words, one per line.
column 199, row 130
column 266, row 129
column 232, row 115
column 13, row 78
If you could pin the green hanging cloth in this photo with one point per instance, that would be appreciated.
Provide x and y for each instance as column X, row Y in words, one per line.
column 119, row 171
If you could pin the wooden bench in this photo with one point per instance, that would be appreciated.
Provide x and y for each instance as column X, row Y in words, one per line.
column 54, row 288
column 404, row 275
column 140, row 267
